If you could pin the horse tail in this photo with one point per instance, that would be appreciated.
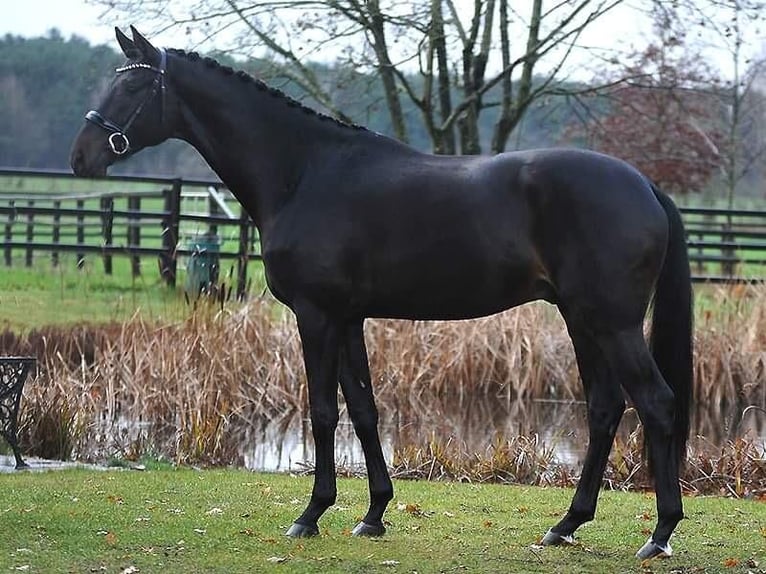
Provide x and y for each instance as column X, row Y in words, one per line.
column 671, row 339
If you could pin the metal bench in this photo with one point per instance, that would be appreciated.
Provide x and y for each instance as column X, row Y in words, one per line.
column 13, row 375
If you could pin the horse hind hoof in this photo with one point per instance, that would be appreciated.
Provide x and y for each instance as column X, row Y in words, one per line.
column 298, row 530
column 653, row 550
column 552, row 538
column 364, row 529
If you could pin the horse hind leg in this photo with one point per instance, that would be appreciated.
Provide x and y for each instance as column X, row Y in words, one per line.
column 624, row 359
column 655, row 403
column 605, row 409
column 356, row 384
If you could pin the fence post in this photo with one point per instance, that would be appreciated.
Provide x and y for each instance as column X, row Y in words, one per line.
column 213, row 210
column 107, row 223
column 80, row 232
column 9, row 233
column 134, row 234
column 242, row 252
column 30, row 233
column 728, row 254
column 56, row 232
column 170, row 223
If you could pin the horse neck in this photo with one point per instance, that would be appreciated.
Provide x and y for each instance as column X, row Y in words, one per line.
column 258, row 143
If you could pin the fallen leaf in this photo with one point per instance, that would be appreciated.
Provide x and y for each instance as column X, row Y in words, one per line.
column 111, row 538
column 200, row 531
column 130, row 570
column 276, row 559
column 215, row 511
column 487, row 524
column 731, row 562
column 389, row 563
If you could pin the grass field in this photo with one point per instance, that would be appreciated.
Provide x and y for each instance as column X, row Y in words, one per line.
column 233, row 521
column 43, row 295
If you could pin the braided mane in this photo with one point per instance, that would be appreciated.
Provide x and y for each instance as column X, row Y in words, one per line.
column 262, row 86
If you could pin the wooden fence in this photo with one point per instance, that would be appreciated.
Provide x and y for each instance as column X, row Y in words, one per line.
column 137, row 217
column 134, row 217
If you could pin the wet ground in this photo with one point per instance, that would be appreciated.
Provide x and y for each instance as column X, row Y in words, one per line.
column 8, row 464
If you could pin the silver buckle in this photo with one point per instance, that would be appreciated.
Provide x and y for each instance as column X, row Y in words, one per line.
column 119, row 143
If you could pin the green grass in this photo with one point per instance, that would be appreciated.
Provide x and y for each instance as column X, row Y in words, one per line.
column 233, row 521
column 43, row 295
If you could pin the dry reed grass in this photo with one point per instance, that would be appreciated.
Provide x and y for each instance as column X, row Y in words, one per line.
column 736, row 469
column 220, row 366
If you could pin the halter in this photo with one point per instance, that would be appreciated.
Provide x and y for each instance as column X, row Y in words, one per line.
column 118, row 139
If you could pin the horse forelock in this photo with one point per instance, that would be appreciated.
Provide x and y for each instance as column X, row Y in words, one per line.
column 260, row 85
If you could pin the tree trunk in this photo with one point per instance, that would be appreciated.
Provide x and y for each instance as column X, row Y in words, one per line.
column 386, row 70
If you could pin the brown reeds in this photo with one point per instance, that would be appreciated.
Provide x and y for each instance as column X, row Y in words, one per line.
column 736, row 469
column 224, row 364
column 730, row 347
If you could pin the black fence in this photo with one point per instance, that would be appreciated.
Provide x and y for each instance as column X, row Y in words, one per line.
column 135, row 217
column 167, row 219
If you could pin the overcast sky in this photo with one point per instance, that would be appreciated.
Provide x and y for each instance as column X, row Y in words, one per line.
column 31, row 18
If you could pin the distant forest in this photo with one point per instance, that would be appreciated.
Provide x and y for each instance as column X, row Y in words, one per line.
column 47, row 84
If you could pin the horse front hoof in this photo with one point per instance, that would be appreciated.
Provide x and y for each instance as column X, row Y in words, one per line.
column 552, row 538
column 364, row 529
column 653, row 550
column 22, row 466
column 298, row 530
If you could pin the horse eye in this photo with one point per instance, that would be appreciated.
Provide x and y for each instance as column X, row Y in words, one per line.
column 132, row 86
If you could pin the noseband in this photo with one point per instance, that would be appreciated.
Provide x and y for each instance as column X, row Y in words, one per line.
column 118, row 139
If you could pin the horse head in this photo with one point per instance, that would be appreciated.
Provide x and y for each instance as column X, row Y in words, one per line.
column 134, row 113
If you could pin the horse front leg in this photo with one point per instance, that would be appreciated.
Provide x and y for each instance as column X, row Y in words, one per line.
column 320, row 337
column 356, row 383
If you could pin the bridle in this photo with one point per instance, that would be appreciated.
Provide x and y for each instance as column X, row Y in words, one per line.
column 118, row 139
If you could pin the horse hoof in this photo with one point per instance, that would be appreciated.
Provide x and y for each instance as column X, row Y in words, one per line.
column 22, row 466
column 653, row 550
column 364, row 529
column 552, row 538
column 298, row 530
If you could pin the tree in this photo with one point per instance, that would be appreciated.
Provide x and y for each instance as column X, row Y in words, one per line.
column 454, row 60
column 665, row 121
column 728, row 30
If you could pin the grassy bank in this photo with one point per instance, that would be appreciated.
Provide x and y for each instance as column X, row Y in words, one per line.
column 232, row 521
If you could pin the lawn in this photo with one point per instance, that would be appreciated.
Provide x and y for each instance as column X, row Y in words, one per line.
column 41, row 295
column 233, row 521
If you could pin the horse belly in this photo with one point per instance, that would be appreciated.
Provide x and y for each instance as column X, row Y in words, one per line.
column 459, row 291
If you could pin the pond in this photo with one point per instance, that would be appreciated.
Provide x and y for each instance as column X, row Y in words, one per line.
column 285, row 443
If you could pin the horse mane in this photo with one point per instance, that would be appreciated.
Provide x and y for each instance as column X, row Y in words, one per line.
column 262, row 86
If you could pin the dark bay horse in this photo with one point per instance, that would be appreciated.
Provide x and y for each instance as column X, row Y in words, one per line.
column 355, row 225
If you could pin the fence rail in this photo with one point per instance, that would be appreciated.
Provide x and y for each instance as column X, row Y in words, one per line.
column 52, row 212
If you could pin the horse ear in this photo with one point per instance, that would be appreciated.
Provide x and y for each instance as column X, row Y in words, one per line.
column 127, row 45
column 147, row 50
